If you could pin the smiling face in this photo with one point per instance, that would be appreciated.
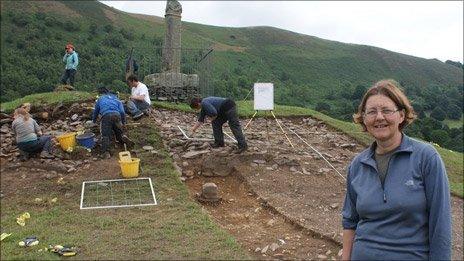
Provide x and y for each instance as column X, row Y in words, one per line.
column 381, row 126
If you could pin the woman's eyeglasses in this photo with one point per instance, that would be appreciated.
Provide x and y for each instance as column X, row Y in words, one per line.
column 384, row 112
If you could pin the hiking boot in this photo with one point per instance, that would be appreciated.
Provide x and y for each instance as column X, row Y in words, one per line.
column 46, row 155
column 105, row 155
column 24, row 156
column 217, row 145
column 240, row 150
column 137, row 116
column 129, row 144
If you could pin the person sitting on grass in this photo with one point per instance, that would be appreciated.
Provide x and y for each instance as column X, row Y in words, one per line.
column 139, row 102
column 112, row 118
column 29, row 137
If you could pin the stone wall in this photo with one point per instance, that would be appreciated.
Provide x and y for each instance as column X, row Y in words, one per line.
column 169, row 86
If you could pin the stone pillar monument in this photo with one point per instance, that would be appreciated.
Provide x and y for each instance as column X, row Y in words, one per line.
column 172, row 40
column 170, row 84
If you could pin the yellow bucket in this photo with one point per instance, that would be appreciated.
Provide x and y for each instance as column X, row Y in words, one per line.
column 125, row 156
column 67, row 141
column 130, row 169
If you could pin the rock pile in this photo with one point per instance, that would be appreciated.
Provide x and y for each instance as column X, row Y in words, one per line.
column 53, row 120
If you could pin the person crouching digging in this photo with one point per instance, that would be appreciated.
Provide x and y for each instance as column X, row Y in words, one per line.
column 220, row 110
column 112, row 118
column 29, row 136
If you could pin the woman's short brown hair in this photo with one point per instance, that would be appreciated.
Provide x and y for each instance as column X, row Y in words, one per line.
column 391, row 89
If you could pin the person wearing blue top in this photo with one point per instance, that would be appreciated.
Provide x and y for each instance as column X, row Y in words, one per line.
column 112, row 118
column 397, row 203
column 220, row 110
column 71, row 60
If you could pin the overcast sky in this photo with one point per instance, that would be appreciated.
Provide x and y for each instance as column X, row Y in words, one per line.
column 429, row 29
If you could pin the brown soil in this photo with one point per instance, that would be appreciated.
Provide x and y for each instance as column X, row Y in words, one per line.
column 295, row 184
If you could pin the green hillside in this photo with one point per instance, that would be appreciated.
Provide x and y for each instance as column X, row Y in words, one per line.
column 307, row 71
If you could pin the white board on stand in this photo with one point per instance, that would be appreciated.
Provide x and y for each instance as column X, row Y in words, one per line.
column 263, row 96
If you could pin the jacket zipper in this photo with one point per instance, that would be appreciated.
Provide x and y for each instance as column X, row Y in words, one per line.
column 385, row 179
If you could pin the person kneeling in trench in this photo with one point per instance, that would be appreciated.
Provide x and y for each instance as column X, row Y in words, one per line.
column 220, row 110
column 113, row 118
column 29, row 136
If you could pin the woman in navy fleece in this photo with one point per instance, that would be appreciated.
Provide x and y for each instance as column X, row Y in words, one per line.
column 397, row 204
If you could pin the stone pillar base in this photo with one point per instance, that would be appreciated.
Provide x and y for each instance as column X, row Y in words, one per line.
column 171, row 86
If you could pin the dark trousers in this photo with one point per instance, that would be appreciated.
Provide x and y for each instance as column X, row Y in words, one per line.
column 42, row 143
column 68, row 74
column 110, row 123
column 135, row 106
column 234, row 124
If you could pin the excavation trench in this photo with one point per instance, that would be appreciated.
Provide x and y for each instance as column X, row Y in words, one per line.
column 257, row 226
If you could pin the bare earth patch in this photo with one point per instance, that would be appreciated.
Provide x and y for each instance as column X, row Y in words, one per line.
column 293, row 183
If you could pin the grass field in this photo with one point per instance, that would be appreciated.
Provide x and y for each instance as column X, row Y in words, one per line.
column 177, row 228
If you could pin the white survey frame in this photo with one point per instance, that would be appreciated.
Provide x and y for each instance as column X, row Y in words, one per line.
column 118, row 206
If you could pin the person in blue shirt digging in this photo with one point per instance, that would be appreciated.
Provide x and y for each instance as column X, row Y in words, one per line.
column 112, row 118
column 397, row 203
column 220, row 110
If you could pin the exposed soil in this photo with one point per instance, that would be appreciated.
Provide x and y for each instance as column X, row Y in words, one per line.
column 273, row 196
column 296, row 184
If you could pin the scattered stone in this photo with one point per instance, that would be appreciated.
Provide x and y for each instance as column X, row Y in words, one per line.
column 321, row 257
column 281, row 241
column 194, row 154
column 185, row 164
column 71, row 169
column 348, row 145
column 189, row 173
column 271, row 222
column 182, row 178
column 274, row 246
column 327, row 155
column 5, row 129
column 74, row 117
column 264, row 250
column 334, row 205
column 259, row 162
column 323, row 170
column 340, row 252
column 328, row 252
column 306, row 172
column 257, row 249
column 147, row 148
column 293, row 169
column 50, row 176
